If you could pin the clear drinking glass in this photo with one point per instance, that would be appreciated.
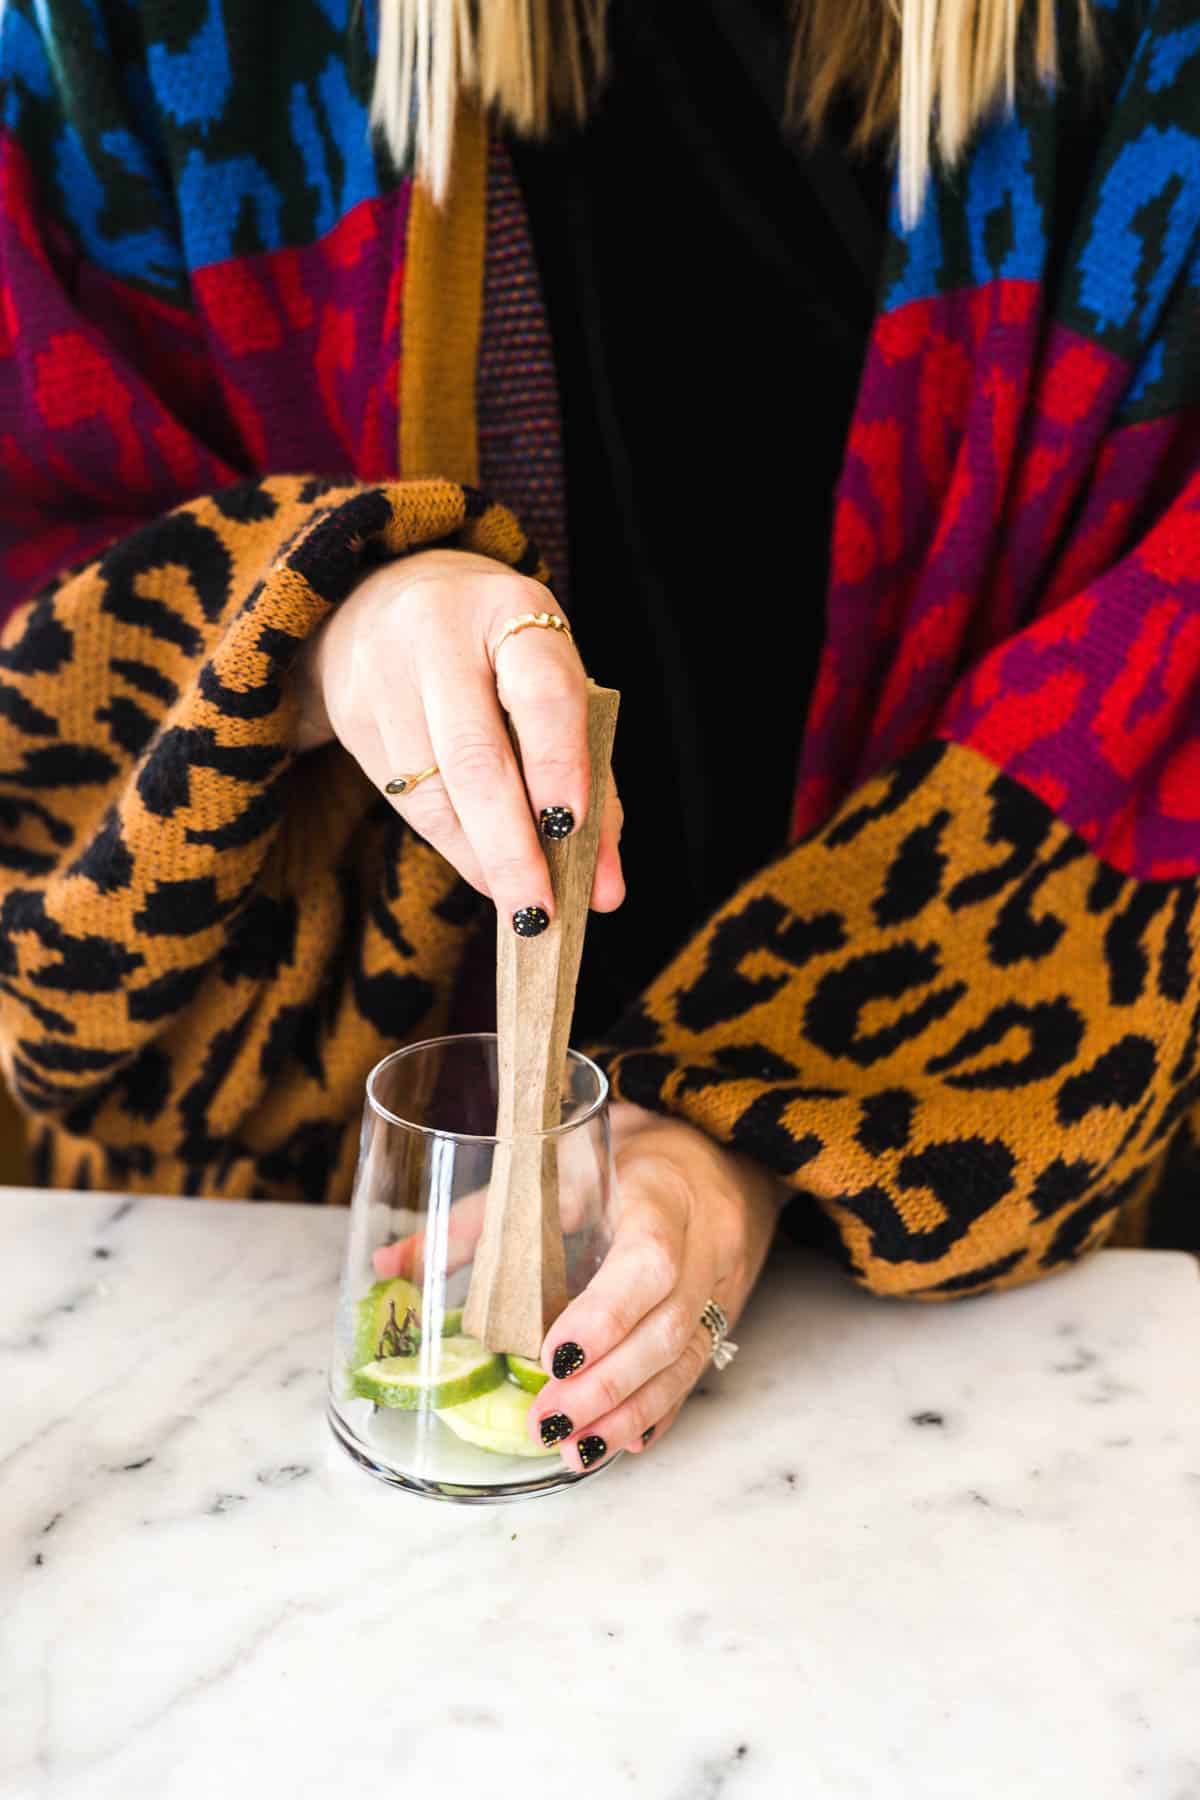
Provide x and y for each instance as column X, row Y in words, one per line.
column 412, row 1399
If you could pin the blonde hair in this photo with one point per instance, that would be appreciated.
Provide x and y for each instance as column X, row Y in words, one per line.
column 921, row 73
column 529, row 62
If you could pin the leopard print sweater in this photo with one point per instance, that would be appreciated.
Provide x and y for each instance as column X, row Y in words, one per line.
column 970, row 1045
column 960, row 1017
column 206, row 940
column 973, row 1046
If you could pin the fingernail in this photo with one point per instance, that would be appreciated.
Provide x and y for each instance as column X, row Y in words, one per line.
column 567, row 1359
column 555, row 1428
column 557, row 821
column 530, row 921
column 591, row 1449
column 649, row 1433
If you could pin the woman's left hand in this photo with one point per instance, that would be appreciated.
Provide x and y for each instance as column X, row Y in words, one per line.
column 694, row 1223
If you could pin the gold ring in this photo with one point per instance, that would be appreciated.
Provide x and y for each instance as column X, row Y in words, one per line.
column 547, row 622
column 404, row 784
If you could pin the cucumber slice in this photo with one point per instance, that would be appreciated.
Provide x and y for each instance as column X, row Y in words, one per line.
column 496, row 1421
column 460, row 1369
column 526, row 1374
column 387, row 1304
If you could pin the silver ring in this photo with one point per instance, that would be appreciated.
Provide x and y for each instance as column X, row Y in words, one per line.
column 716, row 1323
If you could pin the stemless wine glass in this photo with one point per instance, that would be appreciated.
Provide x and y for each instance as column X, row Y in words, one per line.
column 412, row 1398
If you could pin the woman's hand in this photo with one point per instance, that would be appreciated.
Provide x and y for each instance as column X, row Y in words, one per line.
column 402, row 674
column 695, row 1222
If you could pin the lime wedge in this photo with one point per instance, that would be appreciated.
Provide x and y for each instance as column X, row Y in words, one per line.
column 495, row 1421
column 458, row 1369
column 528, row 1375
column 387, row 1304
column 452, row 1322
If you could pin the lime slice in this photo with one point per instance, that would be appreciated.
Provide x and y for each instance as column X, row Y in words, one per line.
column 386, row 1306
column 459, row 1369
column 528, row 1375
column 452, row 1322
column 496, row 1421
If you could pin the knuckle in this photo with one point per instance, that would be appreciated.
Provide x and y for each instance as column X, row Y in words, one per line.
column 513, row 874
column 535, row 595
column 424, row 605
column 560, row 679
column 366, row 665
column 694, row 1357
column 658, row 1262
column 558, row 763
column 547, row 678
column 727, row 1227
column 661, row 1175
column 432, row 815
column 633, row 1419
column 609, row 1394
column 612, row 1321
column 475, row 762
column 431, row 614
column 646, row 1411
column 678, row 1325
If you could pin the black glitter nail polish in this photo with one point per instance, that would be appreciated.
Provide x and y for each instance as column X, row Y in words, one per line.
column 530, row 921
column 556, row 1427
column 567, row 1359
column 557, row 821
column 591, row 1449
column 649, row 1433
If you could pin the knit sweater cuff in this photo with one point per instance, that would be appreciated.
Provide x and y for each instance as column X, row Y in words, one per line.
column 207, row 939
column 963, row 1037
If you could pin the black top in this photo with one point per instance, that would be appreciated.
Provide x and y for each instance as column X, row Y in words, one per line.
column 710, row 284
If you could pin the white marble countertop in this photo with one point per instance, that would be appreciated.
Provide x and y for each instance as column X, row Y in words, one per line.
column 897, row 1552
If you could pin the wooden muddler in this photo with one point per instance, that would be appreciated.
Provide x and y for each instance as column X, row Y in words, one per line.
column 518, row 1284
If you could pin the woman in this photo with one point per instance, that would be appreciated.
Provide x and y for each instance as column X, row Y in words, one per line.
column 951, row 1016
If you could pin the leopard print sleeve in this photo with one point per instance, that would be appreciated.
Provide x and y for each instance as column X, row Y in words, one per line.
column 970, row 1044
column 206, row 940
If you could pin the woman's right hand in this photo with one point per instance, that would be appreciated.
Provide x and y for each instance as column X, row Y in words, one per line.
column 402, row 675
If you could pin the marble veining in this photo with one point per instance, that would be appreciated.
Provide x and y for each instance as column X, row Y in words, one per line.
column 899, row 1553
